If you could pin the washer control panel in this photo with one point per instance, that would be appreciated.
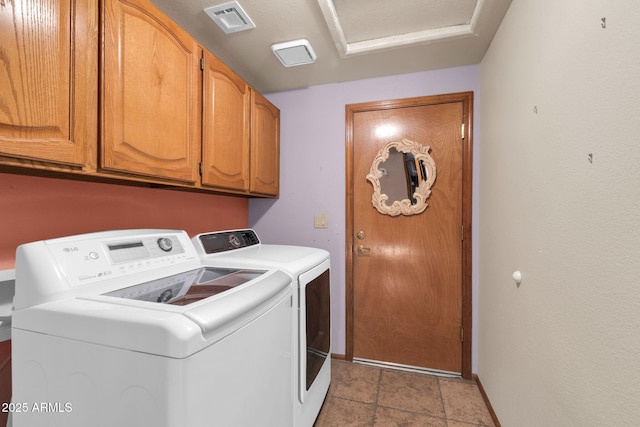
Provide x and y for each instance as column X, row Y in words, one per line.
column 89, row 260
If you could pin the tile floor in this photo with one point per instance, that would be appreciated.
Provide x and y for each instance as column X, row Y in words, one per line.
column 362, row 395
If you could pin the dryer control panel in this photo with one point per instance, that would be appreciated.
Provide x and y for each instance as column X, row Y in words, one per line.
column 223, row 241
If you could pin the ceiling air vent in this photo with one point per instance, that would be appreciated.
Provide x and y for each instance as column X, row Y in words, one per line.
column 230, row 17
column 296, row 52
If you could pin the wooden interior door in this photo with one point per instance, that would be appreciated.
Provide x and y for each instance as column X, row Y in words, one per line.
column 407, row 292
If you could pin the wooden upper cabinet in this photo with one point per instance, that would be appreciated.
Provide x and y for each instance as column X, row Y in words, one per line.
column 160, row 112
column 48, row 80
column 225, row 127
column 151, row 81
column 265, row 147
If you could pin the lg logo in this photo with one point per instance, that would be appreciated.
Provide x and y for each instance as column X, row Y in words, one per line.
column 72, row 249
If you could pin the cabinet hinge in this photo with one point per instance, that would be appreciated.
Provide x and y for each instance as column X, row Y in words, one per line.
column 462, row 232
column 200, row 168
column 202, row 63
column 462, row 130
column 461, row 333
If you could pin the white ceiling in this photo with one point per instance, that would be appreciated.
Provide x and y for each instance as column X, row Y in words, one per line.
column 353, row 39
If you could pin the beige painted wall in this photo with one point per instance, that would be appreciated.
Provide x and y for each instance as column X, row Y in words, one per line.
column 563, row 348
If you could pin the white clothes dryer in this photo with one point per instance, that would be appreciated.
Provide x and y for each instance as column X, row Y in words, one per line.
column 309, row 269
column 128, row 328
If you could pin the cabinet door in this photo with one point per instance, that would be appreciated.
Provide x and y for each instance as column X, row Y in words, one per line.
column 265, row 147
column 226, row 127
column 150, row 100
column 48, row 79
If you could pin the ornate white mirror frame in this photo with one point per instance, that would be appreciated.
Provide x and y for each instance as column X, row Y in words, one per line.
column 424, row 166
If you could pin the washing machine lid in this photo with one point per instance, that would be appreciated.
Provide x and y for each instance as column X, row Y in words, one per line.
column 187, row 287
column 121, row 319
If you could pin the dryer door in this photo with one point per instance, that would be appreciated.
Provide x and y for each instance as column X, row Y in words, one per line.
column 315, row 325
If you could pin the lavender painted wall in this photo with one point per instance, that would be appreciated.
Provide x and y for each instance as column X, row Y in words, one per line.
column 312, row 169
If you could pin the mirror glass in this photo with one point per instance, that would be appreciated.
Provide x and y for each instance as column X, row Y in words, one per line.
column 402, row 174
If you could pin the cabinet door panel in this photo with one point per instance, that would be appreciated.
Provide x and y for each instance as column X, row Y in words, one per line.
column 150, row 103
column 265, row 147
column 48, row 79
column 226, row 127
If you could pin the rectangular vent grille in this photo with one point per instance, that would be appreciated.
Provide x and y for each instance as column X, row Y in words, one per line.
column 296, row 52
column 230, row 17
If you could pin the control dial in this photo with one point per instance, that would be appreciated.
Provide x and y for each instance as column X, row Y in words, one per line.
column 165, row 244
column 234, row 241
column 165, row 296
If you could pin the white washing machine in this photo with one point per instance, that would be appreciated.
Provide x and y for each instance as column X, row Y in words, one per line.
column 309, row 269
column 128, row 328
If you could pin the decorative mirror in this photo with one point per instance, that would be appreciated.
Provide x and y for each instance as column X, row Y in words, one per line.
column 402, row 174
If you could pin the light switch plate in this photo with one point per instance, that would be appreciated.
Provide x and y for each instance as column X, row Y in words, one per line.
column 320, row 221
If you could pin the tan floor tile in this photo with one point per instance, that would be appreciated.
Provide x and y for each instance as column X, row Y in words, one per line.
column 410, row 392
column 345, row 413
column 354, row 381
column 364, row 396
column 463, row 402
column 388, row 417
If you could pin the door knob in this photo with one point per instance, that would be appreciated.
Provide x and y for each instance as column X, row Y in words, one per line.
column 362, row 250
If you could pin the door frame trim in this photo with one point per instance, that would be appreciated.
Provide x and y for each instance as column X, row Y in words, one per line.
column 467, row 185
